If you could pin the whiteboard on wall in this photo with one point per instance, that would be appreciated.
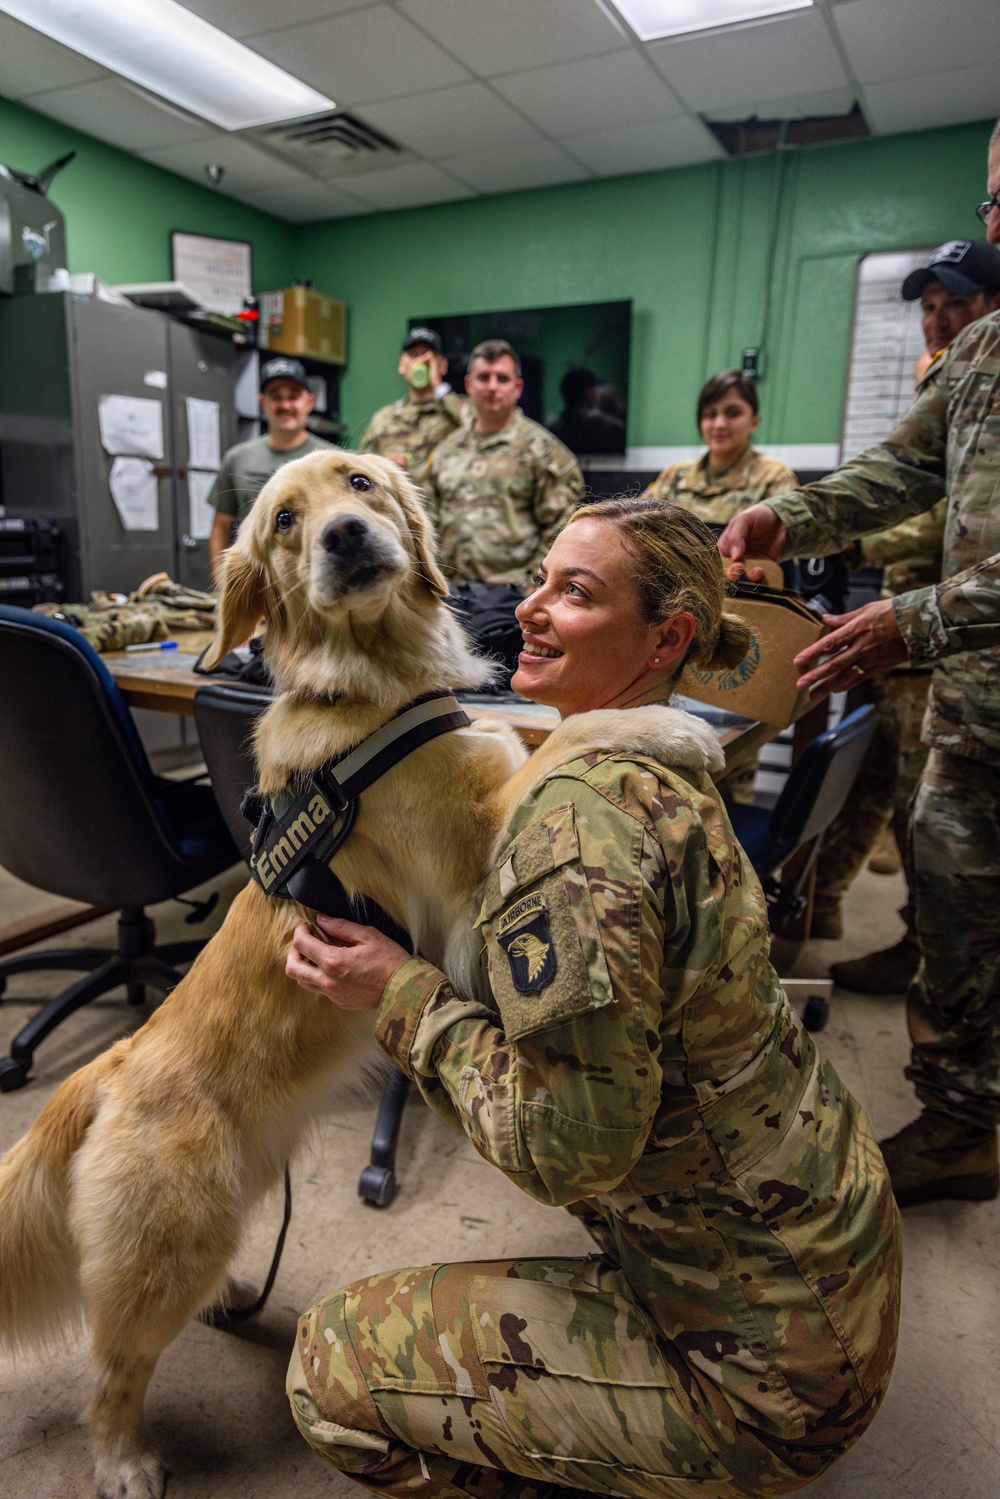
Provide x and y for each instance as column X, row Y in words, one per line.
column 886, row 340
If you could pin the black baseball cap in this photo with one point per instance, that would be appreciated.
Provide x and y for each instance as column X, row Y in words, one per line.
column 284, row 368
column 963, row 266
column 423, row 336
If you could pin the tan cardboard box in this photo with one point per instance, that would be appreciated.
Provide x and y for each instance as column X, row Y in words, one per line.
column 763, row 685
column 298, row 320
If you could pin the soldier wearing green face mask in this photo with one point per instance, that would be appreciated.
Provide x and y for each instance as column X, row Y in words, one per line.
column 410, row 429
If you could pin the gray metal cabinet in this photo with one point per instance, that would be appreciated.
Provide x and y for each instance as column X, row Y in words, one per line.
column 203, row 366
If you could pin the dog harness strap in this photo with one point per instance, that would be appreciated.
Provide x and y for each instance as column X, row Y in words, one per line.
column 315, row 821
column 417, row 724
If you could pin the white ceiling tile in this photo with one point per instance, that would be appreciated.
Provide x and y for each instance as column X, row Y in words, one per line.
column 941, row 99
column 246, row 168
column 753, row 64
column 543, row 165
column 504, row 36
column 887, row 39
column 406, row 186
column 111, row 111
column 838, row 101
column 645, row 148
column 616, row 89
column 245, row 18
column 30, row 62
column 304, row 202
column 362, row 56
column 466, row 118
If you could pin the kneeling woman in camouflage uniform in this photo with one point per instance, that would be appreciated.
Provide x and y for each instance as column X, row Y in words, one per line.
column 641, row 1067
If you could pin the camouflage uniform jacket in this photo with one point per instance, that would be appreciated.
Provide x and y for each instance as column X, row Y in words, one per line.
column 715, row 498
column 911, row 552
column 640, row 1064
column 499, row 499
column 414, row 428
column 948, row 443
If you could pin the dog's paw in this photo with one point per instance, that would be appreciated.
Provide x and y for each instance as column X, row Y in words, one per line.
column 142, row 1477
column 668, row 735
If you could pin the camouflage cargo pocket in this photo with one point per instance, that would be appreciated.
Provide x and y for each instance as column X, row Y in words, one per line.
column 543, row 943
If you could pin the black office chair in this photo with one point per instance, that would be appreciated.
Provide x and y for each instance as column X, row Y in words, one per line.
column 225, row 715
column 817, row 788
column 83, row 815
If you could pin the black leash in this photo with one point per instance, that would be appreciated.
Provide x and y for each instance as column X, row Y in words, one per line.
column 226, row 1317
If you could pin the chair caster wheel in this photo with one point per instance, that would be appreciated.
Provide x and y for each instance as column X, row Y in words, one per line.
column 816, row 1014
column 13, row 1075
column 377, row 1185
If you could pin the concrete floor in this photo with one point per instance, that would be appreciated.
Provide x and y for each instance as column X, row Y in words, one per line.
column 216, row 1405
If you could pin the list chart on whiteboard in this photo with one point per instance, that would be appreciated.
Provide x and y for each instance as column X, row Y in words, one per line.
column 885, row 342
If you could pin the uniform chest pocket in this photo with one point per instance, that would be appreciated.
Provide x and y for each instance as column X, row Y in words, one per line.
column 543, row 941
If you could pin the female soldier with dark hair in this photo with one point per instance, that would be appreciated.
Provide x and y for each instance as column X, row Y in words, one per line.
column 639, row 1064
column 731, row 474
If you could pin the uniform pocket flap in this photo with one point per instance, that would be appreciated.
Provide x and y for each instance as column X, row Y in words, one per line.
column 550, row 841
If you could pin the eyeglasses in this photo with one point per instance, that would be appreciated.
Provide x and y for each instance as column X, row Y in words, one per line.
column 985, row 209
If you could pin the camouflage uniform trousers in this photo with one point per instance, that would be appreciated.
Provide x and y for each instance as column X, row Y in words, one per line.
column 882, row 796
column 500, row 1378
column 953, row 1006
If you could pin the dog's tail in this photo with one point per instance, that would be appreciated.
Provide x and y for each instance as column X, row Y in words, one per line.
column 39, row 1274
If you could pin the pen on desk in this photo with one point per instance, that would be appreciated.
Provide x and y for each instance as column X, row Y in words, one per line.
column 154, row 645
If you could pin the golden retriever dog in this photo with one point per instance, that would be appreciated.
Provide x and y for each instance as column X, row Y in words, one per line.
column 125, row 1202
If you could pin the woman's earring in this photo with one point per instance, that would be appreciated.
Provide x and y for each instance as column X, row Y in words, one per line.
column 656, row 660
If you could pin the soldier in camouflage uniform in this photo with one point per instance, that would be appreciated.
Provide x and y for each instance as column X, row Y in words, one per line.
column 500, row 488
column 732, row 474
column 729, row 476
column 958, row 283
column 637, row 1063
column 411, row 428
column 947, row 443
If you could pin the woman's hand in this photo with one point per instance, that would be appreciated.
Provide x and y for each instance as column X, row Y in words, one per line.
column 343, row 961
column 860, row 645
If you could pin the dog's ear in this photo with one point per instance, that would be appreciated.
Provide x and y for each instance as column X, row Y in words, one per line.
column 241, row 605
column 422, row 535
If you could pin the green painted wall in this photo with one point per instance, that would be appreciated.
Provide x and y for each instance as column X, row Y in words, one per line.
column 120, row 210
column 691, row 247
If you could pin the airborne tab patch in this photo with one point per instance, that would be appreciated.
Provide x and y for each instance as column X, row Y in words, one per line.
column 531, row 953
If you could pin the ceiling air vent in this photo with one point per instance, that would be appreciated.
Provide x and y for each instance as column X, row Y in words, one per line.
column 747, row 137
column 330, row 144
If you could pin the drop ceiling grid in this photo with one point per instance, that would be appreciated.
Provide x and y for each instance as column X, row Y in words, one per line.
column 491, row 97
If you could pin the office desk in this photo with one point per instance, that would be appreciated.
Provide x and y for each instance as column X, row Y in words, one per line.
column 165, row 682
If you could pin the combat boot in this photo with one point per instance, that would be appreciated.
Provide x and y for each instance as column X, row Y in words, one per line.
column 887, row 972
column 884, row 857
column 826, row 922
column 937, row 1157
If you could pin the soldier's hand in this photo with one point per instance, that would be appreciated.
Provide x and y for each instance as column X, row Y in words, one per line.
column 860, row 645
column 343, row 961
column 756, row 530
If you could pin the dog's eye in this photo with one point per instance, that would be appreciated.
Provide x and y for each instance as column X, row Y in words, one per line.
column 361, row 481
column 284, row 520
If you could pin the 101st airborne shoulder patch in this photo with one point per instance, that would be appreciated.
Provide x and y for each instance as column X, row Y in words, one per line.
column 528, row 944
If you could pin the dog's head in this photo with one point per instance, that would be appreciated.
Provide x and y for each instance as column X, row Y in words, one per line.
column 336, row 551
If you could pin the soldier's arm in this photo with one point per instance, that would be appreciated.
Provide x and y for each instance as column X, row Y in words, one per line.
column 558, row 1086
column 558, row 492
column 368, row 441
column 431, row 495
column 782, row 480
column 960, row 614
column 899, row 477
column 919, row 539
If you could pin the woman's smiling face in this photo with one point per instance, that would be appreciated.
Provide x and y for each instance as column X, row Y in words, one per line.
column 587, row 643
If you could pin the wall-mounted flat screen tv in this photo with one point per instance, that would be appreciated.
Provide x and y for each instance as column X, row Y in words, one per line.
column 574, row 360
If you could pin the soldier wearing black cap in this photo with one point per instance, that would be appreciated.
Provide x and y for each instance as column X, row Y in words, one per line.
column 410, row 429
column 286, row 401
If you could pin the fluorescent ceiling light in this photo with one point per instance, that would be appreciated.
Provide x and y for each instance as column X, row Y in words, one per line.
column 653, row 19
column 172, row 52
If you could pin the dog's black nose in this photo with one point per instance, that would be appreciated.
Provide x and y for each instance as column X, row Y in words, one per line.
column 342, row 534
